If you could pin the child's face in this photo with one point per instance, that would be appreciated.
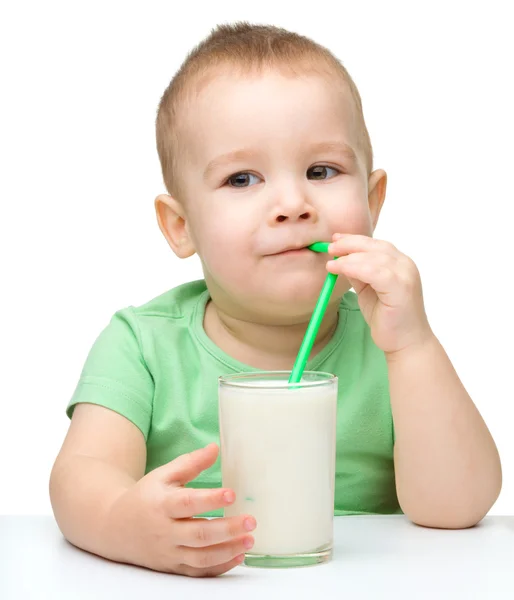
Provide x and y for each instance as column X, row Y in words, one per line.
column 281, row 189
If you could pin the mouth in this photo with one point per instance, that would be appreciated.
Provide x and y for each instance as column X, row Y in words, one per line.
column 294, row 252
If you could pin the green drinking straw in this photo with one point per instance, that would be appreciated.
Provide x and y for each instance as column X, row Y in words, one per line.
column 317, row 317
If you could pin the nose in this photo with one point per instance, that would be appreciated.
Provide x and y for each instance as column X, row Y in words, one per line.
column 292, row 207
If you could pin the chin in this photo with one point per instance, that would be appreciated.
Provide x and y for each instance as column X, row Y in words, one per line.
column 302, row 294
column 299, row 297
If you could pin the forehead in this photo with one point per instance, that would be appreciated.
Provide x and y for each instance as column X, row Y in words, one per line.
column 267, row 109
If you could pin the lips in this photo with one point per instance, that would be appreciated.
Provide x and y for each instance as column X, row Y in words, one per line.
column 290, row 248
column 291, row 251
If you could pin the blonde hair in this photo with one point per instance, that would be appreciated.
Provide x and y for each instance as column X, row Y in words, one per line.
column 247, row 48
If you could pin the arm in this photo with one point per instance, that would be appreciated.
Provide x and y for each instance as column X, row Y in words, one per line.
column 105, row 504
column 447, row 468
column 448, row 471
column 102, row 456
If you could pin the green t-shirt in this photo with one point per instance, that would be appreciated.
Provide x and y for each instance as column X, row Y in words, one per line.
column 155, row 365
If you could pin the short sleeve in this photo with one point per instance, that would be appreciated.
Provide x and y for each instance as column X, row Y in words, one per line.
column 115, row 374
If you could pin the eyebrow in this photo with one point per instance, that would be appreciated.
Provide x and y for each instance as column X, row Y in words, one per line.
column 336, row 146
column 247, row 154
column 229, row 157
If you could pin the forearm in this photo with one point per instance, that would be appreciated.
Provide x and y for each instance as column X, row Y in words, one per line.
column 82, row 491
column 447, row 466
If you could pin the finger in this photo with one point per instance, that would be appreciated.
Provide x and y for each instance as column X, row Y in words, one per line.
column 187, row 467
column 375, row 269
column 358, row 286
column 213, row 571
column 213, row 556
column 184, row 502
column 349, row 242
column 200, row 533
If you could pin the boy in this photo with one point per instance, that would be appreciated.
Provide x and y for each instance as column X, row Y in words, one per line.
column 264, row 150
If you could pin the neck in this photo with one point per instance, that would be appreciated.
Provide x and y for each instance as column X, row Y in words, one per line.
column 265, row 346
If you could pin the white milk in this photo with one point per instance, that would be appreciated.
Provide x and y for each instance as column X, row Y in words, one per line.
column 278, row 455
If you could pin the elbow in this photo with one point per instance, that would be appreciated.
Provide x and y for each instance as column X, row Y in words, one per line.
column 449, row 515
column 443, row 516
column 447, row 506
column 59, row 499
column 55, row 484
column 445, row 521
column 55, row 494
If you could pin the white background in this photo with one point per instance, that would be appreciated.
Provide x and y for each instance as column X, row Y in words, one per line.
column 79, row 174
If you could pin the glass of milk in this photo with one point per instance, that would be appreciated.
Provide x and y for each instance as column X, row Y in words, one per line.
column 278, row 448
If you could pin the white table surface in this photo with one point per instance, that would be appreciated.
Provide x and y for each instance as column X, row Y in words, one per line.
column 375, row 557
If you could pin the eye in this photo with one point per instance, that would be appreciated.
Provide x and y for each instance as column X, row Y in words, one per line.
column 319, row 172
column 240, row 180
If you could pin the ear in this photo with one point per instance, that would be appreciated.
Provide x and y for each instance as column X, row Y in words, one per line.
column 171, row 218
column 377, row 184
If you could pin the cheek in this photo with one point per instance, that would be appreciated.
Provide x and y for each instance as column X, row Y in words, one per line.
column 224, row 243
column 351, row 216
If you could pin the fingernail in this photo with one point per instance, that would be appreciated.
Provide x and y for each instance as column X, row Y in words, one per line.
column 248, row 543
column 336, row 236
column 228, row 497
column 249, row 524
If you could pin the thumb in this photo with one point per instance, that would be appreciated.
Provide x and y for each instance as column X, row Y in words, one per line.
column 187, row 467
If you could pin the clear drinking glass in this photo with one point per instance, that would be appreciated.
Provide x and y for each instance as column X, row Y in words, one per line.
column 278, row 448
